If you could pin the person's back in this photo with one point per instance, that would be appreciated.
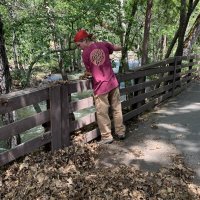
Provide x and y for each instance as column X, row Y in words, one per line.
column 97, row 61
column 105, row 85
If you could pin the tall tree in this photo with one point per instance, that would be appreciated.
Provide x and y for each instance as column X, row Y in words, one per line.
column 5, row 83
column 146, row 32
column 185, row 15
column 126, row 39
column 145, row 44
column 182, row 28
column 192, row 36
column 5, row 76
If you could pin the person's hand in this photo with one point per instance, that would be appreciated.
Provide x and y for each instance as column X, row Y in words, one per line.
column 87, row 73
column 85, row 76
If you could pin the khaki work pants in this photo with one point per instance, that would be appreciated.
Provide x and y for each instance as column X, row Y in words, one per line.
column 102, row 104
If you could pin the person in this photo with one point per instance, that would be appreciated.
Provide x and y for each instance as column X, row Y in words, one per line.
column 95, row 56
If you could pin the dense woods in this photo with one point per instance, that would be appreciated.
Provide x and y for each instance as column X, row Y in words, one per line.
column 39, row 34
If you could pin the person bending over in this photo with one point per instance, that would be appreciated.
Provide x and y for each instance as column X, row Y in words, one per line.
column 95, row 56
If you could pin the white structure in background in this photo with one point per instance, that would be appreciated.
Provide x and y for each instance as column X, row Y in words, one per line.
column 132, row 64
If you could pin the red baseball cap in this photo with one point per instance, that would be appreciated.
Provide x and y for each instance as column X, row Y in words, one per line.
column 80, row 35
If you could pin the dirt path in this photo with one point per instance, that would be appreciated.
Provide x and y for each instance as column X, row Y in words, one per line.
column 171, row 130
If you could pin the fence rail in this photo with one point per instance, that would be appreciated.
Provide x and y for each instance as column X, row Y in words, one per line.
column 160, row 81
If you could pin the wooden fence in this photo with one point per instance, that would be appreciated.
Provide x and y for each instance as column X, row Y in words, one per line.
column 162, row 80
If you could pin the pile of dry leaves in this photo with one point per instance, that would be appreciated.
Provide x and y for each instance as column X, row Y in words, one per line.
column 72, row 173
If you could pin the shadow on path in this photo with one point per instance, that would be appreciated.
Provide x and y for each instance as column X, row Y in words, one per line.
column 171, row 129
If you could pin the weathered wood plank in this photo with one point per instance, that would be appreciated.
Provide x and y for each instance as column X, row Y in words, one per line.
column 81, row 104
column 141, row 97
column 88, row 119
column 24, row 124
column 143, row 73
column 143, row 85
column 55, row 116
column 23, row 92
column 156, row 64
column 24, row 148
column 89, row 136
column 65, row 126
column 184, row 65
column 184, row 80
column 80, row 86
column 146, row 107
column 190, row 71
column 178, row 90
column 10, row 102
column 186, row 73
column 183, row 58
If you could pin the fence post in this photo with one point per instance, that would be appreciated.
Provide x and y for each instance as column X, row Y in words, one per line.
column 55, row 116
column 65, row 129
column 139, row 92
column 174, row 76
column 190, row 67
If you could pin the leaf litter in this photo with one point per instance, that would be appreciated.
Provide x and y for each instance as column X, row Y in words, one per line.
column 72, row 173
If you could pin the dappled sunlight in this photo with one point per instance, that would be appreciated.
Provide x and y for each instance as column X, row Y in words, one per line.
column 185, row 109
column 189, row 108
column 173, row 128
column 188, row 145
column 198, row 171
column 148, row 155
column 165, row 112
column 157, row 152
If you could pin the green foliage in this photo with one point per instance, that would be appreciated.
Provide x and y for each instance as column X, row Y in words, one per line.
column 33, row 27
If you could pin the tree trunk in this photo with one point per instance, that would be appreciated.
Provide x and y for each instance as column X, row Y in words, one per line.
column 171, row 46
column 145, row 47
column 182, row 29
column 15, row 54
column 127, row 37
column 5, row 84
column 146, row 32
column 14, row 42
column 163, row 46
column 5, row 78
column 191, row 7
column 52, row 25
column 192, row 36
column 122, row 27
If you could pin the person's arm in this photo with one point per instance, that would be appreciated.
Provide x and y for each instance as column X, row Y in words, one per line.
column 86, row 75
column 112, row 47
column 117, row 48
